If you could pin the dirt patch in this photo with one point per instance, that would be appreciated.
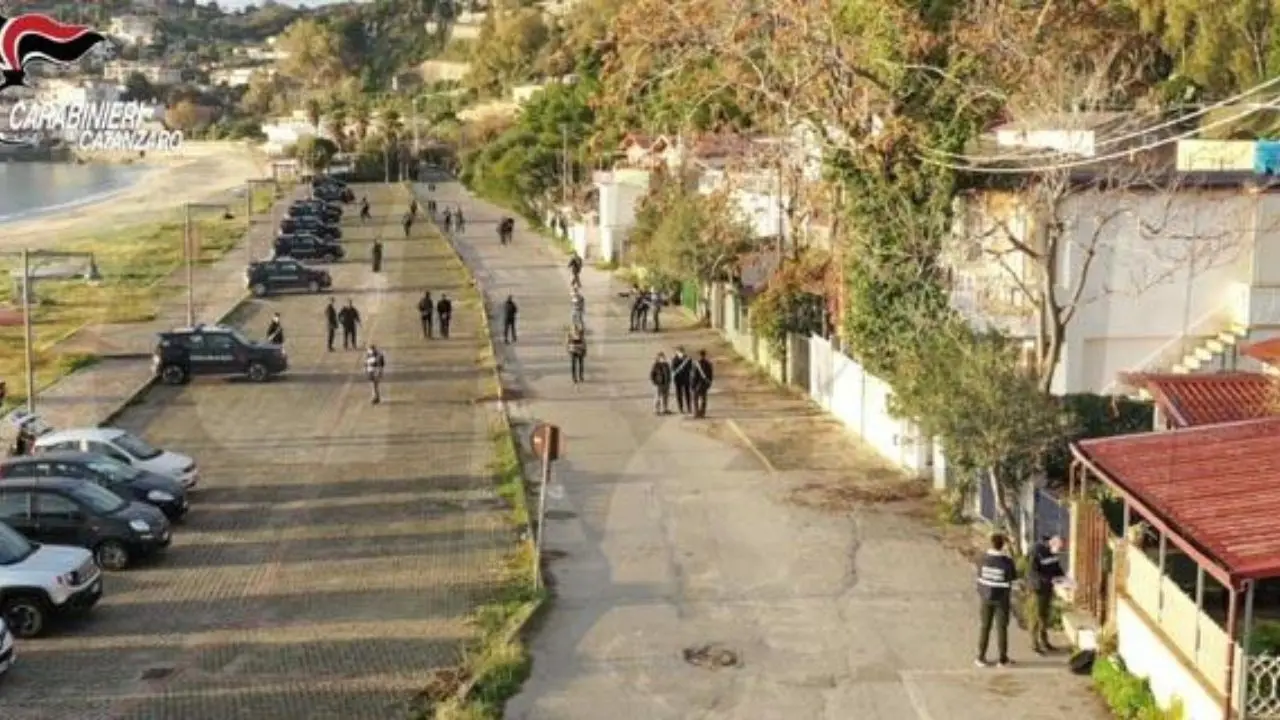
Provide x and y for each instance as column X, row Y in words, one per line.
column 442, row 684
column 712, row 656
column 857, row 492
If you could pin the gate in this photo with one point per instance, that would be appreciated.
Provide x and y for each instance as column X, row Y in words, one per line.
column 1091, row 559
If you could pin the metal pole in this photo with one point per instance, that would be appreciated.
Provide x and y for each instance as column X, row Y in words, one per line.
column 191, row 272
column 417, row 148
column 28, row 341
column 539, row 539
column 564, row 165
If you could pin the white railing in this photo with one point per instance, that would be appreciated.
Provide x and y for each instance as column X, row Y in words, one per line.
column 1256, row 305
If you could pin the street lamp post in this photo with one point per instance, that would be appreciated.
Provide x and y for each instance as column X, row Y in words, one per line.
column 189, row 254
column 248, row 209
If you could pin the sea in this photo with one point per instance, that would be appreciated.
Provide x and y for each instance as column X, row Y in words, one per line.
column 36, row 189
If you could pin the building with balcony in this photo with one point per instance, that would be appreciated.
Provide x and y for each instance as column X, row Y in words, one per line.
column 118, row 71
column 133, row 29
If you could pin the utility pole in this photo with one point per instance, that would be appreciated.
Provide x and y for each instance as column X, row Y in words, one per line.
column 564, row 165
column 189, row 251
column 782, row 227
column 28, row 341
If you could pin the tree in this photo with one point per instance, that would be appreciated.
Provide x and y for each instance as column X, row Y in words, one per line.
column 362, row 117
column 1223, row 46
column 507, row 50
column 337, row 125
column 315, row 152
column 313, row 55
column 314, row 113
column 138, row 88
column 184, row 116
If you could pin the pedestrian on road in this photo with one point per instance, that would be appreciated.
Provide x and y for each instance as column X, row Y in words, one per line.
column 376, row 255
column 431, row 208
column 1043, row 572
column 413, row 208
column 639, row 308
column 426, row 306
column 444, row 309
column 331, row 322
column 509, row 311
column 375, row 364
column 682, row 378
column 577, row 308
column 576, row 344
column 703, row 375
column 408, row 224
column 349, row 318
column 4, row 391
column 660, row 376
column 448, row 219
column 364, row 210
column 575, row 267
column 459, row 220
column 655, row 305
column 275, row 331
column 996, row 574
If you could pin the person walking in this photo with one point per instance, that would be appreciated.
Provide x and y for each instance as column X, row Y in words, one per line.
column 444, row 309
column 275, row 331
column 636, row 303
column 703, row 375
column 645, row 305
column 459, row 220
column 448, row 219
column 576, row 344
column 413, row 208
column 331, row 323
column 408, row 224
column 1044, row 571
column 577, row 308
column 426, row 307
column 996, row 574
column 660, row 376
column 375, row 363
column 431, row 208
column 509, row 311
column 682, row 377
column 655, row 306
column 364, row 210
column 376, row 255
column 349, row 318
column 575, row 267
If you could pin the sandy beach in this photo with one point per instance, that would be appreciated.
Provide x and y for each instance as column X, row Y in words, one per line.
column 202, row 172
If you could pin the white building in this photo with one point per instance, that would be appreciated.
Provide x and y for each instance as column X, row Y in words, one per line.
column 1169, row 279
column 133, row 29
column 58, row 91
column 118, row 71
column 237, row 76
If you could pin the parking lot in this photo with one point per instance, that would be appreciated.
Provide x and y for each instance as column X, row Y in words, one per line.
column 334, row 547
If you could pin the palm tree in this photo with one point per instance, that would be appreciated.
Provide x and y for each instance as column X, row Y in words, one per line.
column 361, row 118
column 314, row 113
column 390, row 128
column 338, row 126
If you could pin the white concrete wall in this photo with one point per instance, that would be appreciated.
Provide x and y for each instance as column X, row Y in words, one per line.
column 861, row 401
column 1146, row 655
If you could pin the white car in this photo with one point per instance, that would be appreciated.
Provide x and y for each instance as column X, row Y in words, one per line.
column 124, row 447
column 7, row 655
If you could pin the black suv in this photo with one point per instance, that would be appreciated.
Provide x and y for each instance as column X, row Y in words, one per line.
column 308, row 247
column 316, row 208
column 310, row 225
column 215, row 350
column 66, row 511
column 282, row 273
column 124, row 480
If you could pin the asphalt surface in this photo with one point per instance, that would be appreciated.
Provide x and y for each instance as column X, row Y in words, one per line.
column 334, row 547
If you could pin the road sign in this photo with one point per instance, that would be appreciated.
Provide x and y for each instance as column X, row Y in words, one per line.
column 547, row 443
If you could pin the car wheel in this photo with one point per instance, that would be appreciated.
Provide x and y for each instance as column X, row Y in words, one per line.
column 25, row 615
column 173, row 375
column 257, row 372
column 259, row 290
column 314, row 286
column 112, row 555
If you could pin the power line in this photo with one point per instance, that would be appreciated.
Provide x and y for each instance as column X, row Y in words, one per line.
column 1025, row 170
column 1204, row 110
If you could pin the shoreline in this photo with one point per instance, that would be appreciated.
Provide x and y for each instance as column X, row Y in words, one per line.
column 140, row 172
column 203, row 172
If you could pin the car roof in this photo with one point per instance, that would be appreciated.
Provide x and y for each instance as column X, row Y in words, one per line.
column 56, row 456
column 56, row 482
column 98, row 433
column 199, row 329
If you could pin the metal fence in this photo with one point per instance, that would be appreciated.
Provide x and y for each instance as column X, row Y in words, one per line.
column 1262, row 677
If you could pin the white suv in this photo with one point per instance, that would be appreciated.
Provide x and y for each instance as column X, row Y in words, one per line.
column 38, row 582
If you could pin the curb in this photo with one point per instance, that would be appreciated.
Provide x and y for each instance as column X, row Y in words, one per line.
column 142, row 389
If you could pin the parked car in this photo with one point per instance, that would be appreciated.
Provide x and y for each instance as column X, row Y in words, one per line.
column 8, row 656
column 39, row 583
column 315, row 208
column 75, row 512
column 308, row 247
column 214, row 350
column 124, row 447
column 124, row 480
column 284, row 273
column 310, row 225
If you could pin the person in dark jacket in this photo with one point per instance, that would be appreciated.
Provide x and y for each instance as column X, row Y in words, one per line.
column 575, row 266
column 331, row 322
column 1044, row 571
column 700, row 383
column 655, row 306
column 413, row 208
column 448, row 219
column 407, row 224
column 275, row 331
column 444, row 310
column 509, row 311
column 364, row 210
column 681, row 377
column 349, row 318
column 996, row 574
column 426, row 307
column 376, row 255
column 660, row 376
column 460, row 221
column 576, row 345
column 638, row 308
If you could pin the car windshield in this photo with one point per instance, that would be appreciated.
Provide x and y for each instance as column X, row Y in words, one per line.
column 135, row 446
column 113, row 470
column 240, row 338
column 13, row 546
column 99, row 500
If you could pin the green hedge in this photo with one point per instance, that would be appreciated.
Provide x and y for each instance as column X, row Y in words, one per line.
column 1128, row 696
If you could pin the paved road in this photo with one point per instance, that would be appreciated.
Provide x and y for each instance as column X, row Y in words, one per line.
column 670, row 535
column 335, row 547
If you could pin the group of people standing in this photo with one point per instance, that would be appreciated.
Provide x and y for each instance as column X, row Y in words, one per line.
column 645, row 304
column 691, row 378
column 429, row 310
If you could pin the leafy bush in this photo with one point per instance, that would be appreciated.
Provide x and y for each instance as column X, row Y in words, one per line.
column 1128, row 696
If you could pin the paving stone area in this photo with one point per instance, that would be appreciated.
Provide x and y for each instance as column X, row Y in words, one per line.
column 335, row 547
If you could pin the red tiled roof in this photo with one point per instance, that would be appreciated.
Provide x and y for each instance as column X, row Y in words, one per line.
column 1191, row 400
column 1267, row 351
column 1218, row 486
